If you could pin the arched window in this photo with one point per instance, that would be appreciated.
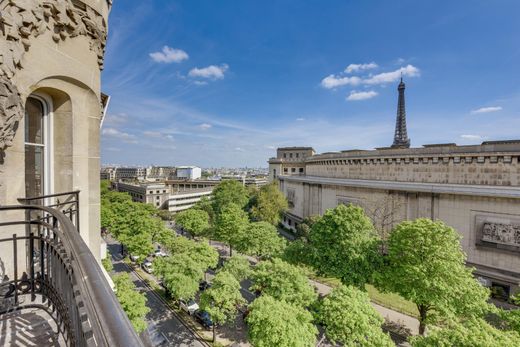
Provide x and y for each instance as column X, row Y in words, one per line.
column 37, row 147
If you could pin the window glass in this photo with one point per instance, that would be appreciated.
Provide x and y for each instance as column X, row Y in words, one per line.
column 34, row 148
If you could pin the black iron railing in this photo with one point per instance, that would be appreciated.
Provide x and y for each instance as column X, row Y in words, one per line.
column 48, row 266
column 67, row 203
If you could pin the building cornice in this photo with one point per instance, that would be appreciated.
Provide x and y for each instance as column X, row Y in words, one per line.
column 435, row 188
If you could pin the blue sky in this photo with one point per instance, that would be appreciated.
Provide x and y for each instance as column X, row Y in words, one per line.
column 223, row 83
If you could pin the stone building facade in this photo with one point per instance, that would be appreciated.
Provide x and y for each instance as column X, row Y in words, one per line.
column 475, row 189
column 51, row 56
column 289, row 161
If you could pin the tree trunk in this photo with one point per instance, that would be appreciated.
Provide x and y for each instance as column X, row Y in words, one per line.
column 230, row 250
column 214, row 333
column 423, row 311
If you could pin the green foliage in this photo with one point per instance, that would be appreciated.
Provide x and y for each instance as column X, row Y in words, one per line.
column 515, row 299
column 205, row 204
column 107, row 263
column 205, row 255
column 180, row 273
column 196, row 222
column 298, row 252
column 132, row 302
column 261, row 239
column 303, row 230
column 104, row 187
column 345, row 245
column 510, row 320
column 350, row 319
column 426, row 265
column 238, row 266
column 283, row 281
column 229, row 192
column 164, row 215
column 471, row 333
column 222, row 299
column 268, row 204
column 139, row 244
column 230, row 224
column 277, row 323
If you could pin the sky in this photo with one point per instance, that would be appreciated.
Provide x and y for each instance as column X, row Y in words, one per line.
column 224, row 83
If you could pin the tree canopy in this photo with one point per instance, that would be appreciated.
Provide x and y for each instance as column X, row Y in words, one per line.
column 180, row 273
column 426, row 265
column 222, row 299
column 132, row 302
column 268, row 204
column 345, row 245
column 195, row 221
column 229, row 192
column 238, row 266
column 283, row 281
column 350, row 319
column 278, row 323
column 471, row 333
column 230, row 224
column 261, row 239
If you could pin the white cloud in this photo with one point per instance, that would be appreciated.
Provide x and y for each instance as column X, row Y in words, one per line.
column 169, row 55
column 472, row 137
column 270, row 147
column 392, row 76
column 332, row 81
column 212, row 72
column 152, row 133
column 300, row 119
column 487, row 109
column 119, row 134
column 239, row 149
column 356, row 67
column 355, row 96
column 200, row 83
column 205, row 126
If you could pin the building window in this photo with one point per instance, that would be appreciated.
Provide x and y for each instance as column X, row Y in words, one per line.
column 285, row 170
column 297, row 155
column 290, row 155
column 285, row 155
column 301, row 170
column 37, row 148
column 157, row 198
column 274, row 173
column 293, row 169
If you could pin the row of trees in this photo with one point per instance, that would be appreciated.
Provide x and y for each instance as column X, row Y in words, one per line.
column 243, row 219
column 423, row 262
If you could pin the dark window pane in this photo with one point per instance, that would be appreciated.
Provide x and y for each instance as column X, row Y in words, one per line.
column 33, row 121
column 33, row 170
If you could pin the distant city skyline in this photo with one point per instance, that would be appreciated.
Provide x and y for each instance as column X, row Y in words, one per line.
column 225, row 84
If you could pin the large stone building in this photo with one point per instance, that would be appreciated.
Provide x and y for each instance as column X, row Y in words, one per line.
column 52, row 288
column 475, row 189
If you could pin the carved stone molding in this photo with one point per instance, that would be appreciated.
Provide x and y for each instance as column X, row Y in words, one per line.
column 498, row 232
column 11, row 112
column 22, row 20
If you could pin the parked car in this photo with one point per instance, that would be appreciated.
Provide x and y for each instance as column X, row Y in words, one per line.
column 203, row 318
column 134, row 258
column 147, row 266
column 190, row 306
column 203, row 285
column 159, row 253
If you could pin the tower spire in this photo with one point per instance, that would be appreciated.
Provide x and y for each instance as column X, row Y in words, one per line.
column 401, row 139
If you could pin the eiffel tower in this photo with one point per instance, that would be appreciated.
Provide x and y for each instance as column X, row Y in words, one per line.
column 401, row 139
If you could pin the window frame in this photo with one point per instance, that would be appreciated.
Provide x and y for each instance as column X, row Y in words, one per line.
column 48, row 143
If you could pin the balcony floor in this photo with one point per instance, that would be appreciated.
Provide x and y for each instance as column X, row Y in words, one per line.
column 29, row 327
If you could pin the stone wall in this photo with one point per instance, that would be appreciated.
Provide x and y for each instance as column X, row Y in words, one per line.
column 474, row 165
column 54, row 49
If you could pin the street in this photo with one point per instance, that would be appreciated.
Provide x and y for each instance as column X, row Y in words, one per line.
column 169, row 328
